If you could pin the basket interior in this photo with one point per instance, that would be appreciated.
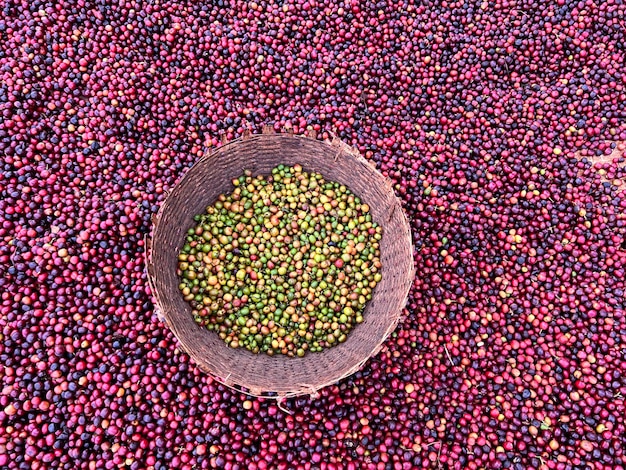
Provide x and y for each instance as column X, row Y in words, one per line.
column 211, row 176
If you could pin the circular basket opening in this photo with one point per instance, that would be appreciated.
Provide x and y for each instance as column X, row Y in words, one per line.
column 212, row 176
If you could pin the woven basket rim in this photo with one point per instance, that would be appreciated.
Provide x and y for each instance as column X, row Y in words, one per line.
column 341, row 149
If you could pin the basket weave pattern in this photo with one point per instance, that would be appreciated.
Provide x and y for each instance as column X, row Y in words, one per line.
column 212, row 176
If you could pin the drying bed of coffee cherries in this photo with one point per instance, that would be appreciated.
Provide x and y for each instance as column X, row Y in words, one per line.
column 500, row 124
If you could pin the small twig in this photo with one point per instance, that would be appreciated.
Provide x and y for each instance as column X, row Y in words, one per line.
column 543, row 462
column 439, row 456
column 433, row 443
column 438, row 452
column 282, row 408
column 448, row 354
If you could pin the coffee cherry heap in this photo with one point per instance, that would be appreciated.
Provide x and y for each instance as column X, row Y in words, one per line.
column 283, row 265
column 511, row 353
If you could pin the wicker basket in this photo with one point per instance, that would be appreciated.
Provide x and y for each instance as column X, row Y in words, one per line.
column 211, row 176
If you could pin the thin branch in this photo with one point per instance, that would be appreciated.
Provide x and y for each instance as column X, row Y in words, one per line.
column 448, row 354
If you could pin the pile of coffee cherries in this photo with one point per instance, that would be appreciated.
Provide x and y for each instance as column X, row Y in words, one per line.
column 487, row 116
column 283, row 265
